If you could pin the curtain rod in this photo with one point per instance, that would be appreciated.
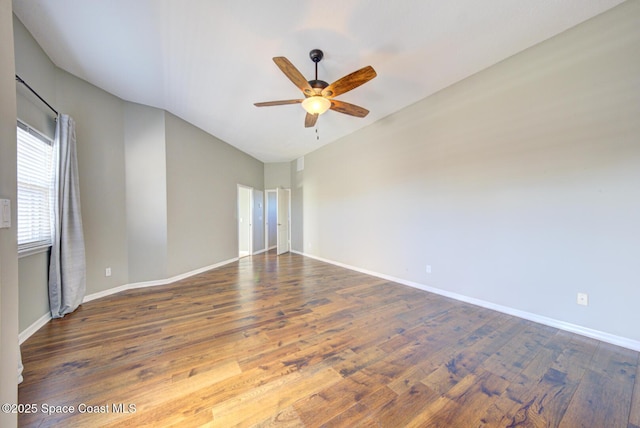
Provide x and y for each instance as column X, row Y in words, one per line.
column 19, row 79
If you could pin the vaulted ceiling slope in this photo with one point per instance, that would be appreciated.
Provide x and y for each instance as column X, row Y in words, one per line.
column 208, row 61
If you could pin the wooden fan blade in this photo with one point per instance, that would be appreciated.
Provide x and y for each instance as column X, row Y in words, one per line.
column 349, row 82
column 293, row 74
column 350, row 109
column 310, row 120
column 277, row 103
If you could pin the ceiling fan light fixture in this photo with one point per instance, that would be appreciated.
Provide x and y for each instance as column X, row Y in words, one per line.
column 316, row 104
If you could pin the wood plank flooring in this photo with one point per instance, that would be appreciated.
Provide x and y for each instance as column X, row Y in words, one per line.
column 293, row 342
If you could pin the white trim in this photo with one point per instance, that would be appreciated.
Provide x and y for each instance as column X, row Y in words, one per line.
column 29, row 331
column 260, row 252
column 33, row 251
column 144, row 284
column 250, row 219
column 562, row 325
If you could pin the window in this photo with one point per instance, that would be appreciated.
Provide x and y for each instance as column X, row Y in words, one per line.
column 35, row 190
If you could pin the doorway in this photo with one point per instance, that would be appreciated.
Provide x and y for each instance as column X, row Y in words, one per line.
column 278, row 220
column 271, row 229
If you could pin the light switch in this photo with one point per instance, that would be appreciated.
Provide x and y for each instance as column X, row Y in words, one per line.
column 5, row 213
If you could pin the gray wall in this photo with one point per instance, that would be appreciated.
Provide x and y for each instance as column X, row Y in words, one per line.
column 202, row 177
column 158, row 195
column 277, row 175
column 8, row 237
column 520, row 186
column 146, row 192
column 33, row 277
column 100, row 135
column 35, row 67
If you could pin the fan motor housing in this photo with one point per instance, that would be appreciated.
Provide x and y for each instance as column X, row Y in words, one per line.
column 318, row 85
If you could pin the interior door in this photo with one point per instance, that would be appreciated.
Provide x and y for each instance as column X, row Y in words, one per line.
column 245, row 199
column 283, row 221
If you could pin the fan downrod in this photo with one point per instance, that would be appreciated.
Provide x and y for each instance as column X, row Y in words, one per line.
column 316, row 56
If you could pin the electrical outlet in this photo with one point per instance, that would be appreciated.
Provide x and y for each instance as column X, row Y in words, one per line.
column 583, row 299
column 107, row 272
column 428, row 269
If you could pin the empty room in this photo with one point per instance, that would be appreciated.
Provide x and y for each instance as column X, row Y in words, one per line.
column 304, row 214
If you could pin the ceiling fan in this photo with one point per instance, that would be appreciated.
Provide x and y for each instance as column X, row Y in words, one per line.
column 319, row 95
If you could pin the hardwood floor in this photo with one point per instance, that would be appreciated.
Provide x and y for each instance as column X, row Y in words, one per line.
column 289, row 341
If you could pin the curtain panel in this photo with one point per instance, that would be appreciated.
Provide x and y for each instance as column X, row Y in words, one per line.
column 67, row 268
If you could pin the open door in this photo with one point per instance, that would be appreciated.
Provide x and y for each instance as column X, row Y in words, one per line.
column 245, row 230
column 283, row 221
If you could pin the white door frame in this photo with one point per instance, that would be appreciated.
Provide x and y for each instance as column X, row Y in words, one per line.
column 244, row 227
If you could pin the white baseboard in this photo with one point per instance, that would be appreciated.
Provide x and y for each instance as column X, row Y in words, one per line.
column 562, row 325
column 154, row 283
column 28, row 332
column 573, row 328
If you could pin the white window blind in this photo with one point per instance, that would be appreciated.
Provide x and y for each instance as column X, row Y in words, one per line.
column 35, row 189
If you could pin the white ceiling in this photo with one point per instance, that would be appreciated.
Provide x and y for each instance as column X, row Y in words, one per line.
column 208, row 61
